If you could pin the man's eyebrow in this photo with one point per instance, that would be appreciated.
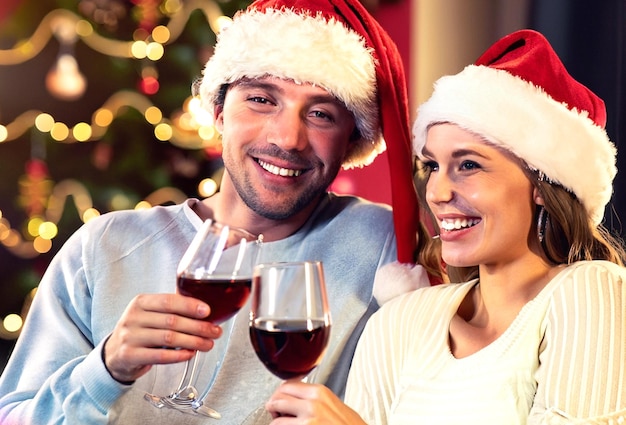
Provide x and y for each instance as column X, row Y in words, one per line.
column 327, row 98
column 265, row 85
column 257, row 84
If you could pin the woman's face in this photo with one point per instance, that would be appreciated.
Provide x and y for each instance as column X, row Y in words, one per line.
column 482, row 200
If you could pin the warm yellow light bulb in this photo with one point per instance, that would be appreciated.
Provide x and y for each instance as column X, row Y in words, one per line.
column 44, row 123
column 48, row 230
column 138, row 49
column 153, row 115
column 59, row 131
column 161, row 34
column 42, row 245
column 207, row 187
column 154, row 51
column 163, row 132
column 65, row 81
column 12, row 322
column 103, row 117
column 82, row 131
column 90, row 214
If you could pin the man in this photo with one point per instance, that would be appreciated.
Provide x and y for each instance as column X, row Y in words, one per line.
column 298, row 90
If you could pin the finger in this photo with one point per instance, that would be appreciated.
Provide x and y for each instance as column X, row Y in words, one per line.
column 165, row 338
column 172, row 303
column 281, row 407
column 131, row 363
column 299, row 389
column 142, row 356
column 291, row 399
column 179, row 326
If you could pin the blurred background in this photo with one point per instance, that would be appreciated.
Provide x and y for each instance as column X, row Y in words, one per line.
column 96, row 114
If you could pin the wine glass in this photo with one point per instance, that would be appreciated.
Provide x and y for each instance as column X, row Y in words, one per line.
column 217, row 269
column 289, row 317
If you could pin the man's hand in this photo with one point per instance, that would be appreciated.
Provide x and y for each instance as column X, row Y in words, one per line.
column 157, row 329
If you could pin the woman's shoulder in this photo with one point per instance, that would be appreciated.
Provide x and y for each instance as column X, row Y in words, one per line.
column 587, row 285
column 593, row 271
column 394, row 280
column 429, row 299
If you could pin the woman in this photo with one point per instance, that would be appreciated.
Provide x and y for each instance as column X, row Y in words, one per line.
column 518, row 173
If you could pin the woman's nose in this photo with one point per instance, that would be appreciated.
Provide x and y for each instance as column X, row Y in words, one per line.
column 287, row 130
column 439, row 188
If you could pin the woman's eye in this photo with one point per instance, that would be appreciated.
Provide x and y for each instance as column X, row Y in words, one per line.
column 429, row 166
column 469, row 165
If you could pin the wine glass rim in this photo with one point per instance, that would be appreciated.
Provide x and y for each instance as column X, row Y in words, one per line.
column 249, row 235
column 289, row 263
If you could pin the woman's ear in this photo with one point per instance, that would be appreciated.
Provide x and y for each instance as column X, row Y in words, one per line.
column 537, row 197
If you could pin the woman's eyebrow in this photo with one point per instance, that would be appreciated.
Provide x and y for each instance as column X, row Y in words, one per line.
column 459, row 153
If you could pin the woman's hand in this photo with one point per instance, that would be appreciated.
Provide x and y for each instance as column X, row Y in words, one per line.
column 295, row 402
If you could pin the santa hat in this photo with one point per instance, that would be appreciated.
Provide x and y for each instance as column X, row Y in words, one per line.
column 337, row 45
column 518, row 95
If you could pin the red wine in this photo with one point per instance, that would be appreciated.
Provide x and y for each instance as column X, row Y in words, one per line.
column 224, row 296
column 289, row 348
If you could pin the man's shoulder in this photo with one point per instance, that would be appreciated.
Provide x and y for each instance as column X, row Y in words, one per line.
column 136, row 221
column 357, row 206
column 126, row 230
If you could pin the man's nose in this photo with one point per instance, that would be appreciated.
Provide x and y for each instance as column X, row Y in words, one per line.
column 287, row 129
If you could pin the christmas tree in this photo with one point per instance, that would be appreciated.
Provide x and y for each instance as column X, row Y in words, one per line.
column 95, row 116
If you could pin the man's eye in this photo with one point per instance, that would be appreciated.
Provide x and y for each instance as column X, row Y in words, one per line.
column 322, row 115
column 258, row 99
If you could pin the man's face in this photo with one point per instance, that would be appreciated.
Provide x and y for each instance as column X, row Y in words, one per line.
column 283, row 143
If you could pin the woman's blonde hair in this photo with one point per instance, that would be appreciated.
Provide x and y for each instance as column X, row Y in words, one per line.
column 569, row 234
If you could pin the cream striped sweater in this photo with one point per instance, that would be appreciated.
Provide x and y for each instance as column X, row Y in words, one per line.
column 562, row 360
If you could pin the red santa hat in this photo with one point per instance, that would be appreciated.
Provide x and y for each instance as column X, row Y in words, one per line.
column 518, row 95
column 337, row 45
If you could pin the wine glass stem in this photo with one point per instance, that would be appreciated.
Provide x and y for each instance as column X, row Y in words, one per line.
column 188, row 374
column 200, row 399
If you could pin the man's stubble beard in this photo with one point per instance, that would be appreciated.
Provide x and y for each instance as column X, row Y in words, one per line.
column 268, row 209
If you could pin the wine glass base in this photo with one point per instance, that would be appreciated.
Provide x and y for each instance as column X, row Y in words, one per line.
column 207, row 411
column 186, row 405
column 154, row 400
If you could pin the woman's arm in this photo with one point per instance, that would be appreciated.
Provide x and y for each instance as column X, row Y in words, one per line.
column 582, row 371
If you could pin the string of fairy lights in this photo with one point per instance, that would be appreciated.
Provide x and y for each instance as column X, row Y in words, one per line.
column 190, row 127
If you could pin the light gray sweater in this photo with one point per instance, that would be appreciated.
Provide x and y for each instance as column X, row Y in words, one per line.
column 56, row 375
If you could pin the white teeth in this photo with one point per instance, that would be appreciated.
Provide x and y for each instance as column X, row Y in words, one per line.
column 285, row 172
column 458, row 223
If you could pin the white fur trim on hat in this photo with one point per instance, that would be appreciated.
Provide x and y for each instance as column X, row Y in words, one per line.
column 396, row 278
column 306, row 49
column 565, row 144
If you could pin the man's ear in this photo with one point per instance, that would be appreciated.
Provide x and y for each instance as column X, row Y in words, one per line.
column 218, row 117
column 537, row 197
